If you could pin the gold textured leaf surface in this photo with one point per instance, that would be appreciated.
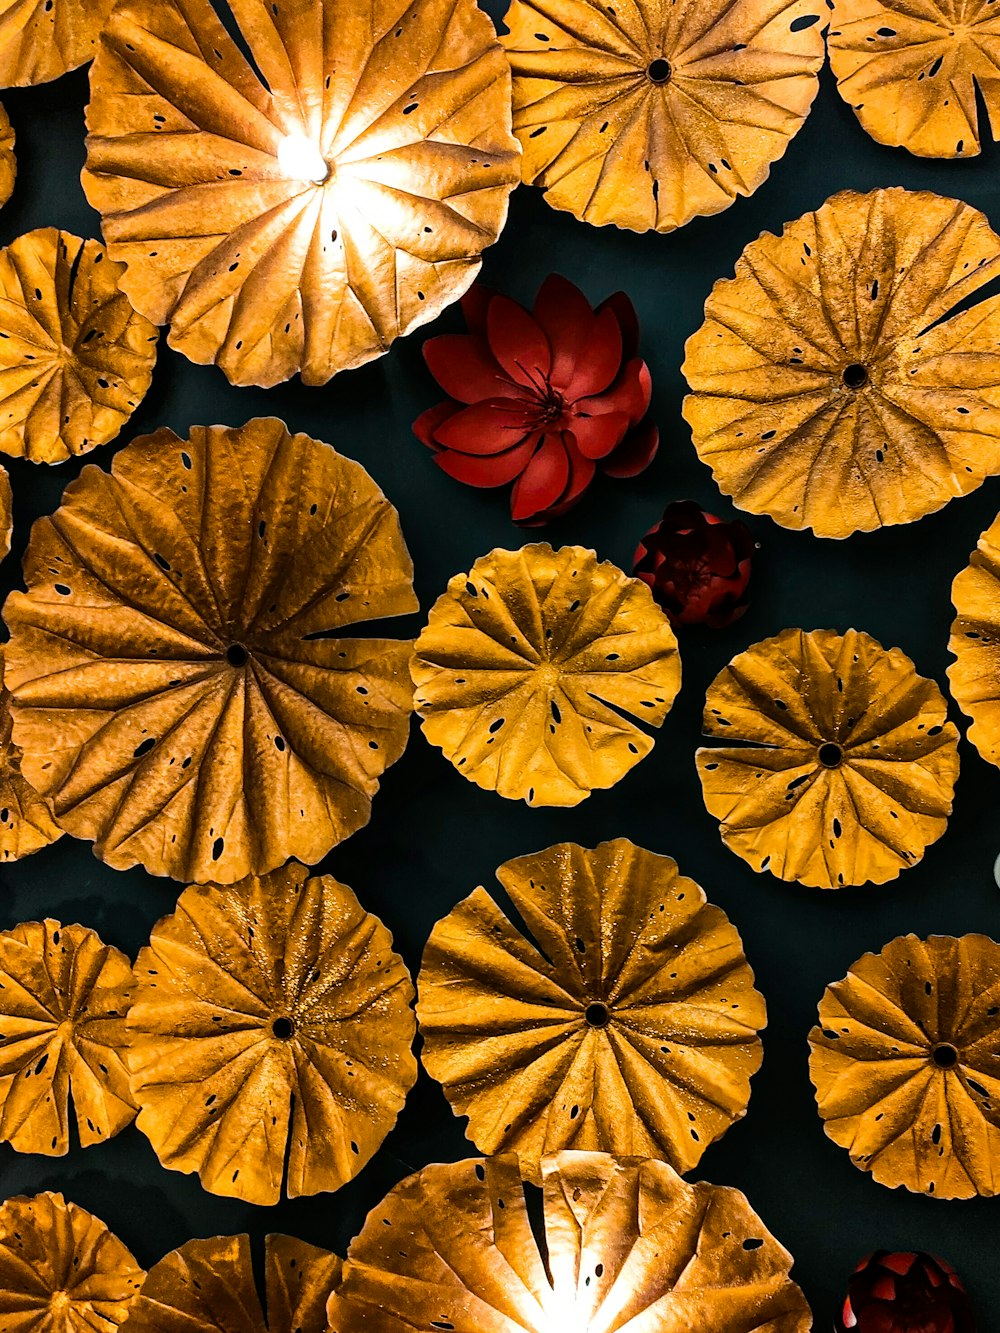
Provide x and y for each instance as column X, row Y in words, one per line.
column 43, row 39
column 169, row 696
column 6, row 513
column 906, row 1065
column 911, row 70
column 630, row 1245
column 272, row 1021
column 61, row 1269
column 8, row 162
column 840, row 763
column 26, row 823
column 626, row 1021
column 832, row 386
column 974, row 676
column 64, row 997
column 207, row 1286
column 75, row 359
column 648, row 113
column 301, row 214
column 531, row 667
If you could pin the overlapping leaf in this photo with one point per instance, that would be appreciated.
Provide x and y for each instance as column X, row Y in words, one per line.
column 42, row 39
column 75, row 358
column 8, row 162
column 629, row 1245
column 834, row 386
column 26, row 823
column 912, row 71
column 628, row 1023
column 172, row 698
column 272, row 1020
column 906, row 1064
column 263, row 265
column 207, row 1286
column 61, row 1269
column 64, row 997
column 841, row 762
column 649, row 113
column 529, row 666
column 975, row 642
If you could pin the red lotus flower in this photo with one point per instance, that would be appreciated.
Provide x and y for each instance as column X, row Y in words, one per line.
column 905, row 1293
column 697, row 565
column 540, row 399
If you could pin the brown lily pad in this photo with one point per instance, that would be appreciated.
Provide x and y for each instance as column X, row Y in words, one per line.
column 299, row 213
column 172, row 697
column 270, row 1036
column 629, row 1244
column 906, row 1065
column 627, row 1021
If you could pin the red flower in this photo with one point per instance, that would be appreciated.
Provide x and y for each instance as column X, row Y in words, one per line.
column 697, row 565
column 540, row 399
column 905, row 1293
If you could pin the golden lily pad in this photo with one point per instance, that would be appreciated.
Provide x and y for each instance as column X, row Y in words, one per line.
column 272, row 1020
column 207, row 1286
column 43, row 39
column 26, row 823
column 6, row 513
column 75, row 358
column 911, row 72
column 8, row 162
column 840, row 764
column 529, row 664
column 627, row 1021
column 61, row 1269
column 649, row 113
column 64, row 996
column 975, row 641
column 832, row 386
column 301, row 217
column 906, row 1065
column 629, row 1245
column 170, row 699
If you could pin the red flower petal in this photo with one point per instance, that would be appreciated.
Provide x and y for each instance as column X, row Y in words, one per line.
column 475, row 304
column 599, row 360
column 542, row 482
column 903, row 1260
column 491, row 470
column 635, row 453
column 597, row 436
column 427, row 422
column 485, row 428
column 631, row 392
column 581, row 473
column 567, row 318
column 465, row 368
column 518, row 343
column 628, row 321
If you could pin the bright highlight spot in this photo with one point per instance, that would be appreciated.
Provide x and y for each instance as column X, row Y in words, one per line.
column 300, row 159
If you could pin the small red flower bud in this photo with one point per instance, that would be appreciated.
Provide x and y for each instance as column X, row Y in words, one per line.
column 905, row 1293
column 697, row 565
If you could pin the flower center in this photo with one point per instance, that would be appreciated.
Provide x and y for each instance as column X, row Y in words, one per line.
column 659, row 71
column 59, row 1303
column 944, row 1055
column 855, row 376
column 300, row 159
column 547, row 675
column 597, row 1015
column 830, row 754
column 237, row 655
column 282, row 1028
